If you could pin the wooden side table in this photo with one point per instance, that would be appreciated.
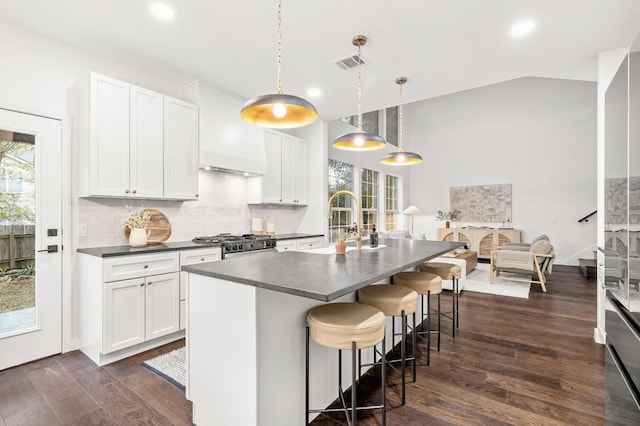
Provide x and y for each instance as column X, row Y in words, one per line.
column 471, row 257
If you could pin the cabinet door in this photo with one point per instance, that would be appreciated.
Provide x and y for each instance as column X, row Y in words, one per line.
column 146, row 144
column 162, row 305
column 287, row 245
column 272, row 180
column 192, row 257
column 300, row 173
column 309, row 243
column 180, row 150
column 124, row 314
column 108, row 137
column 288, row 145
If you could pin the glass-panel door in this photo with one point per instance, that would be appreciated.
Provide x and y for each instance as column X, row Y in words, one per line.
column 17, row 232
column 30, row 236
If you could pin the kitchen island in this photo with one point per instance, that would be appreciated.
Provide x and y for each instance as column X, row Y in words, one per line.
column 245, row 328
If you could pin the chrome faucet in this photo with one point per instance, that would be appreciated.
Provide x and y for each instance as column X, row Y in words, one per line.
column 358, row 237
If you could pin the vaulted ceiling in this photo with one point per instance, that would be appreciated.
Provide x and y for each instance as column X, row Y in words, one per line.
column 441, row 46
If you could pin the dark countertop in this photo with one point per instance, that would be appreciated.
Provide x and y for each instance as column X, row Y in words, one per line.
column 324, row 277
column 155, row 248
column 295, row 236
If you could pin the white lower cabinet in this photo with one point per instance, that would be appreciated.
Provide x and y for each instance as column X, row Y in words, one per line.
column 309, row 243
column 192, row 257
column 139, row 310
column 127, row 304
column 300, row 244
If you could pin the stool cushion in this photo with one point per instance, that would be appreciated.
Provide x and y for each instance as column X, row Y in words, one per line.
column 421, row 282
column 336, row 325
column 390, row 299
column 447, row 271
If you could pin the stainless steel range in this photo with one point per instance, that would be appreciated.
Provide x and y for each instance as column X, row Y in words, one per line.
column 239, row 245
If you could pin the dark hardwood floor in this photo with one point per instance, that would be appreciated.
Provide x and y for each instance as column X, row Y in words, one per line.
column 70, row 389
column 513, row 361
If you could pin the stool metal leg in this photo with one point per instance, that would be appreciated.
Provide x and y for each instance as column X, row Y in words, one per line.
column 439, row 319
column 354, row 417
column 414, row 343
column 393, row 332
column 403, row 353
column 340, row 374
column 453, row 312
column 384, row 382
column 306, row 381
column 428, row 327
column 457, row 303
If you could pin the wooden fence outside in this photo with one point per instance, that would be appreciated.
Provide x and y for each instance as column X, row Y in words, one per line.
column 17, row 246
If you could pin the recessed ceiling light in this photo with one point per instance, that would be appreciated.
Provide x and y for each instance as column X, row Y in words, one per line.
column 522, row 28
column 161, row 11
column 314, row 92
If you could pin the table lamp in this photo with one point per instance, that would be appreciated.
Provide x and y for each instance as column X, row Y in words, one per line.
column 411, row 210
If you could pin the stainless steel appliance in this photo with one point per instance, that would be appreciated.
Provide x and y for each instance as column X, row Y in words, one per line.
column 622, row 364
column 239, row 245
column 621, row 251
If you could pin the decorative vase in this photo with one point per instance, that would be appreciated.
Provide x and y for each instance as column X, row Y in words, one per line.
column 341, row 248
column 138, row 237
column 447, row 224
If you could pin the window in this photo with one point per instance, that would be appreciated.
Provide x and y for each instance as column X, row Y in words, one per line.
column 370, row 122
column 340, row 177
column 369, row 199
column 391, row 124
column 391, row 202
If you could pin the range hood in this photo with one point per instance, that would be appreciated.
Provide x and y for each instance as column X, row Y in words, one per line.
column 227, row 144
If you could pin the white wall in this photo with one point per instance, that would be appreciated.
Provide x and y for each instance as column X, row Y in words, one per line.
column 537, row 134
column 40, row 76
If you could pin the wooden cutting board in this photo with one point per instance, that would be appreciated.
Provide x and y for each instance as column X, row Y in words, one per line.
column 159, row 227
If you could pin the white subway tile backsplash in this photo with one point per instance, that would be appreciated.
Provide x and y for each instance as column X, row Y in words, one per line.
column 222, row 207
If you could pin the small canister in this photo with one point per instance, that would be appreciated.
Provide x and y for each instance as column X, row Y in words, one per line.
column 373, row 238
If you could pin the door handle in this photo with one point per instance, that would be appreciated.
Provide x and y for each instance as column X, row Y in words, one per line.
column 49, row 249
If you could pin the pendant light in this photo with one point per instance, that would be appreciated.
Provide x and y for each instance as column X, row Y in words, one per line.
column 279, row 111
column 359, row 140
column 401, row 157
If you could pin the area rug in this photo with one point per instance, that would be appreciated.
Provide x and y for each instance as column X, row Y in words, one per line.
column 170, row 366
column 478, row 281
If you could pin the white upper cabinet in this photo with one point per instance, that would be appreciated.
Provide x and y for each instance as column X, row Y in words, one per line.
column 108, row 137
column 301, row 173
column 142, row 144
column 180, row 149
column 285, row 181
column 272, row 180
column 288, row 150
column 146, row 144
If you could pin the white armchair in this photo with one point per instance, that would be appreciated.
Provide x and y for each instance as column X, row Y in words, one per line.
column 524, row 246
column 537, row 261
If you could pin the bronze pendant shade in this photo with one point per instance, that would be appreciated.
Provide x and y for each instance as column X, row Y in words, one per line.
column 279, row 111
column 359, row 140
column 401, row 157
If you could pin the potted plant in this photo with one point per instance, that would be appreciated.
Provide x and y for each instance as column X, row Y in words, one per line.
column 137, row 221
column 341, row 245
column 447, row 217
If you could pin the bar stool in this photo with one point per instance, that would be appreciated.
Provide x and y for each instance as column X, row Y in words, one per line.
column 423, row 283
column 346, row 326
column 393, row 301
column 447, row 271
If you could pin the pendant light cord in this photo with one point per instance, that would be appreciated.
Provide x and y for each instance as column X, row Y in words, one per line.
column 279, row 45
column 359, row 90
column 400, row 122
